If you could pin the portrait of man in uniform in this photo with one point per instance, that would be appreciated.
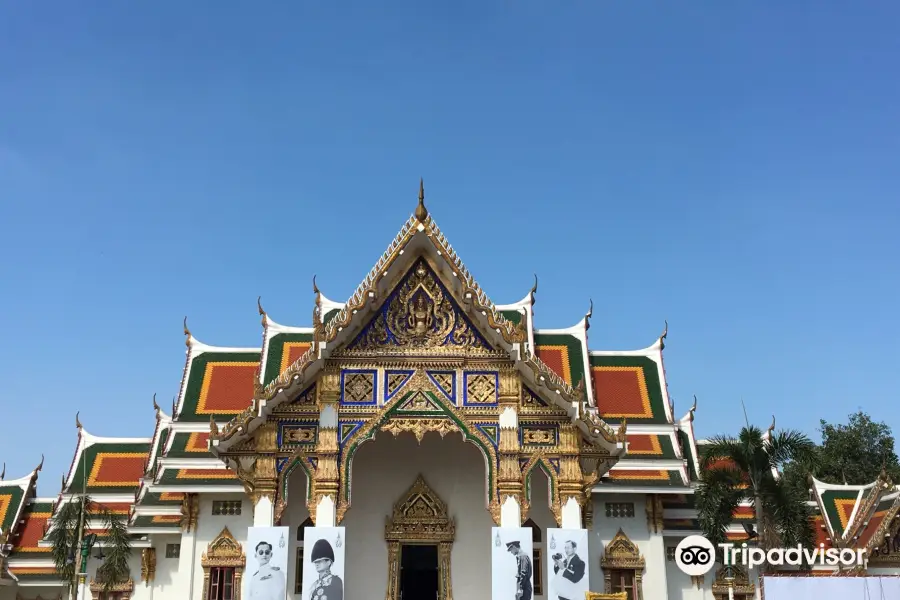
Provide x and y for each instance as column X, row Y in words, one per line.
column 327, row 585
column 268, row 582
column 268, row 548
column 323, row 563
column 511, row 564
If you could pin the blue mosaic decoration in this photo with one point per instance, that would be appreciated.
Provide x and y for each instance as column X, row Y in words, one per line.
column 280, row 464
column 445, row 381
column 491, row 431
column 359, row 387
column 555, row 463
column 297, row 432
column 532, row 400
column 394, row 380
column 420, row 314
column 348, row 428
column 481, row 388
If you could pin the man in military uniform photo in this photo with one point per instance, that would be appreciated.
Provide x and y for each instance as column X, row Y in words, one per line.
column 327, row 586
column 523, row 571
column 268, row 583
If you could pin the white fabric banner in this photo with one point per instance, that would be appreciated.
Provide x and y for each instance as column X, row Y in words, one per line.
column 817, row 588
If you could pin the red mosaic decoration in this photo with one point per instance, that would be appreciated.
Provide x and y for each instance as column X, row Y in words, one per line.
column 19, row 571
column 227, row 387
column 117, row 469
column 171, row 496
column 291, row 353
column 874, row 521
column 844, row 510
column 32, row 533
column 205, row 474
column 639, row 475
column 197, row 442
column 647, row 445
column 621, row 392
column 557, row 358
column 166, row 519
column 737, row 536
column 744, row 513
column 118, row 508
column 821, row 534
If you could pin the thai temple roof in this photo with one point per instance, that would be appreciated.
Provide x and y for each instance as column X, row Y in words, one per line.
column 225, row 391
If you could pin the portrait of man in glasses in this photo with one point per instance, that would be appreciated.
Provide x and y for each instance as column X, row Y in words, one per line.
column 268, row 582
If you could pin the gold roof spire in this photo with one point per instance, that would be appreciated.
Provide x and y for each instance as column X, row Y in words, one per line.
column 421, row 212
column 78, row 421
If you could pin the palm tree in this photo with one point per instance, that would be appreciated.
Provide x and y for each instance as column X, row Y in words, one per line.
column 70, row 545
column 744, row 468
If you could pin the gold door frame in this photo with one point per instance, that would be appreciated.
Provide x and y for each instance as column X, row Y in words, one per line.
column 420, row 517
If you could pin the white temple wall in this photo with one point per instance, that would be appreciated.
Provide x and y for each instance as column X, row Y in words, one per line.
column 679, row 584
column 651, row 547
column 31, row 592
column 542, row 516
column 383, row 471
column 209, row 527
column 165, row 582
column 295, row 514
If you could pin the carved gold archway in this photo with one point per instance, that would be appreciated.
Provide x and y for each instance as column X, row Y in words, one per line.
column 226, row 552
column 739, row 582
column 420, row 517
column 621, row 554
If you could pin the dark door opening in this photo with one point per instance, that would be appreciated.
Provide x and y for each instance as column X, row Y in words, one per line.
column 418, row 572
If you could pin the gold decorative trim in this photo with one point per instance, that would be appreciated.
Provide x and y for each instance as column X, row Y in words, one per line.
column 596, row 596
column 420, row 517
column 148, row 565
column 125, row 588
column 621, row 554
column 224, row 551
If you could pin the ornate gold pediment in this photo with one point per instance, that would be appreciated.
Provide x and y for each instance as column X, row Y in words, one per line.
column 733, row 577
column 420, row 317
column 224, row 551
column 420, row 515
column 887, row 554
column 622, row 553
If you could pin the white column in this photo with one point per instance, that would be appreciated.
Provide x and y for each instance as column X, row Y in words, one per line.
column 185, row 574
column 325, row 513
column 510, row 513
column 571, row 514
column 264, row 512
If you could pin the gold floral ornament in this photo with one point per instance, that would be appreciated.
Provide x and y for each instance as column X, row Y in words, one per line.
column 621, row 554
column 420, row 516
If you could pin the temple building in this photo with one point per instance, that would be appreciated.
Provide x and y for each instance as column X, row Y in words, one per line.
column 417, row 391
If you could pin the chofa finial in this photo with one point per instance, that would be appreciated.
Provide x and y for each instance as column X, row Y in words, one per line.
column 187, row 334
column 315, row 287
column 41, row 465
column 77, row 420
column 213, row 428
column 3, row 472
column 259, row 308
column 534, row 287
column 772, row 426
column 587, row 317
column 155, row 405
column 174, row 404
column 421, row 211
column 693, row 408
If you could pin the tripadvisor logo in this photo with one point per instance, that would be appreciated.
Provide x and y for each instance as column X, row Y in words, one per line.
column 695, row 555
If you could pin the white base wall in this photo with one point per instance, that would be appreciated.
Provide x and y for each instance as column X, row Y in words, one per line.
column 383, row 471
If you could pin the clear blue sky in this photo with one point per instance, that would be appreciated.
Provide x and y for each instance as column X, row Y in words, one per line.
column 733, row 169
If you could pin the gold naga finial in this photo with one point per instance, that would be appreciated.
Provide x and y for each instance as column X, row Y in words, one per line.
column 316, row 289
column 579, row 390
column 262, row 312
column 174, row 404
column 213, row 428
column 78, row 421
column 155, row 405
column 3, row 472
column 534, row 287
column 421, row 212
column 587, row 317
column 621, row 433
column 187, row 333
column 63, row 486
column 771, row 427
column 693, row 409
column 41, row 465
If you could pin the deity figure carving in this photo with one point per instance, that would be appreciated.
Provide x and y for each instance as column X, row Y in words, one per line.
column 420, row 317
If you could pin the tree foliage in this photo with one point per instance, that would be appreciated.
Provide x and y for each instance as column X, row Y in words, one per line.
column 65, row 533
column 856, row 452
column 744, row 469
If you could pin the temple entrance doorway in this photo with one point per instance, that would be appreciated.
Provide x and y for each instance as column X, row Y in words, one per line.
column 419, row 576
